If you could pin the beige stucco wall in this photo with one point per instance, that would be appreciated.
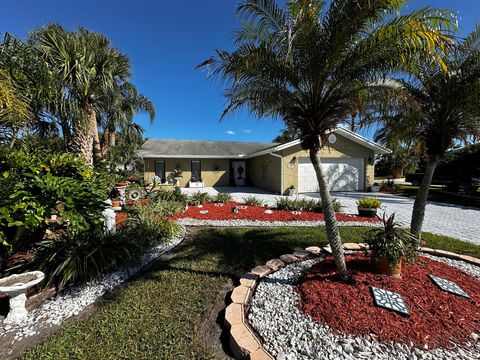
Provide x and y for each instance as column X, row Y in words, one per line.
column 265, row 172
column 343, row 148
column 210, row 176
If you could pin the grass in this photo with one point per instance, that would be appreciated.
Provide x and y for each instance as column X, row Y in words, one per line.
column 164, row 313
column 439, row 195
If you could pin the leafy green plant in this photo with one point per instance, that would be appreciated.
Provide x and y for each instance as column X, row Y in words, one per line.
column 223, row 198
column 304, row 204
column 253, row 201
column 392, row 242
column 75, row 258
column 157, row 207
column 174, row 195
column 33, row 186
column 369, row 203
column 199, row 198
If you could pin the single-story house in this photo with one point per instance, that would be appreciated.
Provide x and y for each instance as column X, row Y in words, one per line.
column 348, row 161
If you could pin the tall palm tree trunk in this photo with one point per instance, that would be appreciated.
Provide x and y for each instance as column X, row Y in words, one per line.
column 331, row 226
column 420, row 203
column 81, row 141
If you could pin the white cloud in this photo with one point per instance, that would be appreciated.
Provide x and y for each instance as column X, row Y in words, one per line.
column 230, row 132
column 248, row 131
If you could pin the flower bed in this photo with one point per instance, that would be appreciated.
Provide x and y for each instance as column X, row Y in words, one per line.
column 257, row 213
column 438, row 319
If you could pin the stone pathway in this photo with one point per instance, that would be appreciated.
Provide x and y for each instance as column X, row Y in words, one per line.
column 444, row 219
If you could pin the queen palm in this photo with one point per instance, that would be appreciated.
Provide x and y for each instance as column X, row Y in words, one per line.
column 309, row 61
column 442, row 108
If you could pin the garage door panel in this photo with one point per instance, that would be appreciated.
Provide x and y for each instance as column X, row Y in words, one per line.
column 343, row 174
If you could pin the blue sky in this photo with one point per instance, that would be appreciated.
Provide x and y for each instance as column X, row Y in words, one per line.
column 165, row 40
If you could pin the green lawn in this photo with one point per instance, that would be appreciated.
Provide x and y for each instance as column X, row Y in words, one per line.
column 439, row 195
column 163, row 314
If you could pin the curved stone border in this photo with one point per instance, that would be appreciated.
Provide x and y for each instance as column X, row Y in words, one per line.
column 244, row 342
column 261, row 223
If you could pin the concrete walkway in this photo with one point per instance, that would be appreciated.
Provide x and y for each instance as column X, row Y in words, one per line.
column 444, row 219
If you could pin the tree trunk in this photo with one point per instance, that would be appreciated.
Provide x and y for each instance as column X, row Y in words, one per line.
column 66, row 132
column 112, row 138
column 420, row 203
column 81, row 142
column 14, row 137
column 104, row 142
column 92, row 119
column 331, row 226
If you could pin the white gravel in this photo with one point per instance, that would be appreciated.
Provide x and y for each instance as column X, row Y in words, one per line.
column 226, row 223
column 290, row 334
column 76, row 298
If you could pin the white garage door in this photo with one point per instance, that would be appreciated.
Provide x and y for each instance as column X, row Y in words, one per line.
column 342, row 174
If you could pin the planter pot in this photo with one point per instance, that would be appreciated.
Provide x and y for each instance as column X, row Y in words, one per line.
column 375, row 188
column 384, row 267
column 367, row 212
column 116, row 203
column 121, row 184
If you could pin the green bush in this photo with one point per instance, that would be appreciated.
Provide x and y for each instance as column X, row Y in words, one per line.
column 34, row 186
column 252, row 201
column 175, row 195
column 223, row 198
column 304, row 204
column 369, row 203
column 199, row 198
column 76, row 258
column 392, row 242
column 158, row 208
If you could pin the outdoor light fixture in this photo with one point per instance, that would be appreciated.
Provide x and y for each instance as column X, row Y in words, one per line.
column 292, row 162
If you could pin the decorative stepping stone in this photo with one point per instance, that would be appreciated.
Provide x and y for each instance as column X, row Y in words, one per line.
column 268, row 212
column 301, row 254
column 289, row 258
column 315, row 250
column 450, row 286
column 203, row 212
column 389, row 300
column 275, row 264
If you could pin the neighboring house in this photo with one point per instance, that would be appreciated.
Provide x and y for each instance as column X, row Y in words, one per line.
column 348, row 161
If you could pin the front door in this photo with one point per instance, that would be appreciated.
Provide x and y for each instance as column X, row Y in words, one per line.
column 239, row 173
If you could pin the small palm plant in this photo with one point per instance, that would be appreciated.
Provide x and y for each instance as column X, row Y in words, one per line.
column 390, row 245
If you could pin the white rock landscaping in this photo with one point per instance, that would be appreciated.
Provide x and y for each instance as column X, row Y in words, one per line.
column 289, row 334
column 75, row 299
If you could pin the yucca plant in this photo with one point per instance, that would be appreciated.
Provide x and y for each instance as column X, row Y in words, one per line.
column 369, row 203
column 199, row 198
column 308, row 61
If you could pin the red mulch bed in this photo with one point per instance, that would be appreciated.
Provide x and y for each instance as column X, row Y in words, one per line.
column 258, row 213
column 437, row 317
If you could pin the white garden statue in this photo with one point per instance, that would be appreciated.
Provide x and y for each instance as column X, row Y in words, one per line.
column 16, row 286
column 109, row 223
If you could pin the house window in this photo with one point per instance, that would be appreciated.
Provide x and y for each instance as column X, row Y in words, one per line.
column 196, row 170
column 160, row 170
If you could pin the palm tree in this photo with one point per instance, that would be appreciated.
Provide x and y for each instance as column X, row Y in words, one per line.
column 89, row 68
column 308, row 62
column 441, row 109
column 120, row 107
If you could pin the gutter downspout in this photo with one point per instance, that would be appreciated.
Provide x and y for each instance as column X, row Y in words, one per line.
column 281, row 171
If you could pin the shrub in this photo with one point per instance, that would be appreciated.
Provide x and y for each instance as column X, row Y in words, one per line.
column 253, row 201
column 223, row 198
column 199, row 198
column 34, row 186
column 392, row 242
column 175, row 195
column 369, row 203
column 157, row 208
column 304, row 204
column 74, row 258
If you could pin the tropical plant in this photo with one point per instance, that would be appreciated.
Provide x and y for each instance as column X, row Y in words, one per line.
column 303, row 204
column 34, row 186
column 369, row 203
column 440, row 108
column 174, row 195
column 199, row 198
column 253, row 201
column 158, row 207
column 223, row 198
column 392, row 242
column 307, row 62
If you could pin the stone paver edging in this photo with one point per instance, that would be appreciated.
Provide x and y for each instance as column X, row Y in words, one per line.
column 244, row 342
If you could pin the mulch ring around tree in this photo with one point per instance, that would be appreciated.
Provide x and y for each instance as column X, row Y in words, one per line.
column 438, row 318
column 250, row 212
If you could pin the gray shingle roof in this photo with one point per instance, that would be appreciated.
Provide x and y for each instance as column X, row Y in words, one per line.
column 189, row 148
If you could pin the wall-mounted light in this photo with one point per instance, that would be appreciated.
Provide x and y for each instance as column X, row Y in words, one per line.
column 292, row 162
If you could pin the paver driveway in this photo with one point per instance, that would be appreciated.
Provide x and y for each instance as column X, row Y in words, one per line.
column 444, row 219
